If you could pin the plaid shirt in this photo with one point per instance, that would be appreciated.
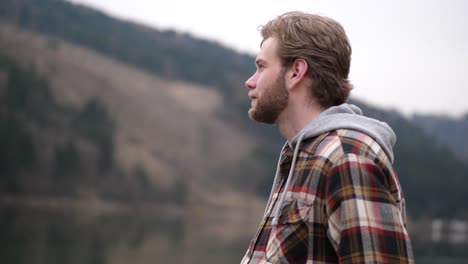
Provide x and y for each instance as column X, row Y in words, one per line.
column 344, row 205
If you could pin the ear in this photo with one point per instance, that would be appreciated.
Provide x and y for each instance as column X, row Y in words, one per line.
column 297, row 73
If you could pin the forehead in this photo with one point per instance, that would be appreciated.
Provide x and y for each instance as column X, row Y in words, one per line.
column 268, row 51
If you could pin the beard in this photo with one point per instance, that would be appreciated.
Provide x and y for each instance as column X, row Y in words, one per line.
column 271, row 103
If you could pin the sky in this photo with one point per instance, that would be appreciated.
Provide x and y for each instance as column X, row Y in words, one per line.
column 408, row 55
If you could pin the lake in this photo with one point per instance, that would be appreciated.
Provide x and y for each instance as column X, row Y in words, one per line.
column 32, row 235
column 44, row 236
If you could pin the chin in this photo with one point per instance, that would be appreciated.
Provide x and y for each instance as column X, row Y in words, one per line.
column 251, row 113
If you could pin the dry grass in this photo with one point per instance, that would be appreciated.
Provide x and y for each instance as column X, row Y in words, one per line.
column 164, row 126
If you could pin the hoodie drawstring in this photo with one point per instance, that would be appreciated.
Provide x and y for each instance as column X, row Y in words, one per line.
column 288, row 182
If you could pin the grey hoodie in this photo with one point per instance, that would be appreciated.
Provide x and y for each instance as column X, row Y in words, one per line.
column 345, row 116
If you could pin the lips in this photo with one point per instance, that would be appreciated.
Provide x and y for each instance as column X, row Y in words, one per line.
column 252, row 97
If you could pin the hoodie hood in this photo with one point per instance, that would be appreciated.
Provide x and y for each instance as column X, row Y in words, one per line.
column 349, row 116
column 345, row 116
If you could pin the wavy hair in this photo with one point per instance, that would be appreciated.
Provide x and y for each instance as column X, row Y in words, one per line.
column 322, row 42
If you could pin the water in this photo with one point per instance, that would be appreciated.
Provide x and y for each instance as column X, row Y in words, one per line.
column 38, row 236
column 30, row 235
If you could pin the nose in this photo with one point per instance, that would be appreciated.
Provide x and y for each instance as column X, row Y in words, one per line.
column 251, row 83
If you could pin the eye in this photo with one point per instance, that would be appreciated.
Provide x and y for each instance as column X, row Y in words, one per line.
column 260, row 64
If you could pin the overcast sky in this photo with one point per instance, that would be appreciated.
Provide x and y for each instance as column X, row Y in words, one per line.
column 407, row 55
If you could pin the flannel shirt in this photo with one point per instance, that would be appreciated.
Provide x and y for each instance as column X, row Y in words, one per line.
column 344, row 205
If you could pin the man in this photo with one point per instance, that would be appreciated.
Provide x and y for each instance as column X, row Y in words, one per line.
column 336, row 197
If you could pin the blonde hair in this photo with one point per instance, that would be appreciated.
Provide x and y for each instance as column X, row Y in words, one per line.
column 322, row 42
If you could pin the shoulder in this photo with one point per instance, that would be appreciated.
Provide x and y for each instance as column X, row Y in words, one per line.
column 335, row 145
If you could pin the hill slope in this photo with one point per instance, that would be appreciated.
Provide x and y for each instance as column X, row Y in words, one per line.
column 448, row 131
column 162, row 126
column 169, row 54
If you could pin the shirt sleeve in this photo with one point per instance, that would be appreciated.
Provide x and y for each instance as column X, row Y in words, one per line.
column 365, row 223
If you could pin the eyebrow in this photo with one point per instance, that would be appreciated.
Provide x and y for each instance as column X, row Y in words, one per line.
column 259, row 61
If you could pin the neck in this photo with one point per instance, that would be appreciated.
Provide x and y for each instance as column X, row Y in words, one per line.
column 295, row 117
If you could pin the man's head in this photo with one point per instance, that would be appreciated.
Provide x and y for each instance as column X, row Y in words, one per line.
column 322, row 43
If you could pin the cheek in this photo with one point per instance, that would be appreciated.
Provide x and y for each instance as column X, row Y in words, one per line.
column 262, row 81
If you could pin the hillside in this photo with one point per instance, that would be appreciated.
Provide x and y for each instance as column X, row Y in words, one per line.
column 160, row 130
column 168, row 54
column 448, row 130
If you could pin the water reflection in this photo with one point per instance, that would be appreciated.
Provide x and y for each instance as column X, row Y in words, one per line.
column 36, row 236
column 30, row 235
